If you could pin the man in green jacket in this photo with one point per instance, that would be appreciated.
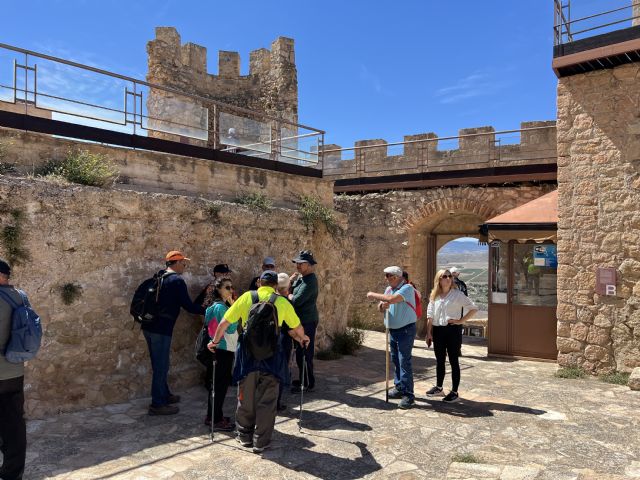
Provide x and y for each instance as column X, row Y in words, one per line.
column 304, row 294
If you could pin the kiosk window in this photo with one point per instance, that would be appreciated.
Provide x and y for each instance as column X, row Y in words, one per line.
column 534, row 274
column 499, row 272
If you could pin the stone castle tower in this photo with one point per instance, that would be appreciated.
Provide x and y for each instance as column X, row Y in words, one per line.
column 270, row 87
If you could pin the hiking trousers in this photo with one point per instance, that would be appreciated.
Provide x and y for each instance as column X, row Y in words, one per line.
column 13, row 429
column 256, row 411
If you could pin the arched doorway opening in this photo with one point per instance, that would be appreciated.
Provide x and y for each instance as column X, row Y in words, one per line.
column 470, row 258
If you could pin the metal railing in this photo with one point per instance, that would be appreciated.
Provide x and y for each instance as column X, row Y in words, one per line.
column 495, row 148
column 566, row 29
column 46, row 86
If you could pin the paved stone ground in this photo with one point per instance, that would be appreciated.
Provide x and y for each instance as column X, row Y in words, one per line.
column 516, row 420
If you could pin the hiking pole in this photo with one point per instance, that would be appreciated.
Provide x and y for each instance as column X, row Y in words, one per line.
column 386, row 357
column 304, row 377
column 213, row 392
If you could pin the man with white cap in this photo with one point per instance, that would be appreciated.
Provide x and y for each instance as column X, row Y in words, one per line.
column 400, row 319
column 268, row 263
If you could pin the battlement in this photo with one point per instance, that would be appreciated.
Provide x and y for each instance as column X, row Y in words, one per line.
column 474, row 148
column 271, row 86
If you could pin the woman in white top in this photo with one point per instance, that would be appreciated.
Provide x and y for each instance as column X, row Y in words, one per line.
column 443, row 329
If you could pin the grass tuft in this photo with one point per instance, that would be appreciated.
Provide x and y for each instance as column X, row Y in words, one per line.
column 314, row 214
column 254, row 200
column 617, row 378
column 82, row 167
column 465, row 458
column 570, row 372
column 70, row 292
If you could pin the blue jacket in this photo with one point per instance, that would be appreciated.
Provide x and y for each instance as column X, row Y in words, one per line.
column 173, row 296
column 245, row 363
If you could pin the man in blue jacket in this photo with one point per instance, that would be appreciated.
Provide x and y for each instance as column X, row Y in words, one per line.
column 173, row 295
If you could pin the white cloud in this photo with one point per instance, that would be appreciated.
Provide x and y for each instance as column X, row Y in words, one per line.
column 475, row 85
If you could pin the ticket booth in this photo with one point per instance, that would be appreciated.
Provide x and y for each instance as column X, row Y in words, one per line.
column 523, row 262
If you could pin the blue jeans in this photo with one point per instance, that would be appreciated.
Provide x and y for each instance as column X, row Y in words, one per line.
column 401, row 344
column 159, row 350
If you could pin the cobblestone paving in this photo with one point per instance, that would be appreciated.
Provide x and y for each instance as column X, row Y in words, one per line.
column 515, row 420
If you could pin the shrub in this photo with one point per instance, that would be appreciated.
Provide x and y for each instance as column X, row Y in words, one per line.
column 254, row 200
column 465, row 458
column 617, row 378
column 70, row 292
column 11, row 238
column 212, row 211
column 570, row 372
column 83, row 167
column 314, row 214
column 328, row 354
column 348, row 342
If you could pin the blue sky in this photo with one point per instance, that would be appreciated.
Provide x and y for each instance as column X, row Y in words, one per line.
column 365, row 69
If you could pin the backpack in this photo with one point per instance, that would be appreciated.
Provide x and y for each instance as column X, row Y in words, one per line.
column 26, row 330
column 203, row 354
column 418, row 303
column 262, row 331
column 144, row 305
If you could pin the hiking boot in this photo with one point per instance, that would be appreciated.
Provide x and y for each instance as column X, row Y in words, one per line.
column 173, row 399
column 163, row 410
column 406, row 403
column 223, row 426
column 244, row 441
column 395, row 393
column 261, row 449
column 451, row 397
column 435, row 392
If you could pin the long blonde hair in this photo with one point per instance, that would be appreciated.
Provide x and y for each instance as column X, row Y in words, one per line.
column 436, row 284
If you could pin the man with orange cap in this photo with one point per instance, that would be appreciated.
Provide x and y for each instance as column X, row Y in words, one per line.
column 172, row 296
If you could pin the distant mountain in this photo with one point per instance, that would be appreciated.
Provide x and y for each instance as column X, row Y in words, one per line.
column 458, row 248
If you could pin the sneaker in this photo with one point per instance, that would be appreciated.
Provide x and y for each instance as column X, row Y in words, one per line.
column 395, row 393
column 435, row 392
column 223, row 426
column 163, row 410
column 260, row 449
column 451, row 397
column 406, row 403
column 244, row 442
column 173, row 399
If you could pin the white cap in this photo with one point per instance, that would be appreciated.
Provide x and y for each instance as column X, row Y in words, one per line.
column 455, row 270
column 283, row 280
column 393, row 270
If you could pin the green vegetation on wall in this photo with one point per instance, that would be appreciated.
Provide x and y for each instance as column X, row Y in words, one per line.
column 12, row 239
column 314, row 214
column 83, row 167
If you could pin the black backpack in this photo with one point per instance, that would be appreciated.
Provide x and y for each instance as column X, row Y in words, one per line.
column 144, row 305
column 262, row 330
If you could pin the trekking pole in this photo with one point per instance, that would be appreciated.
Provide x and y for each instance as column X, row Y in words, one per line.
column 213, row 393
column 304, row 375
column 386, row 357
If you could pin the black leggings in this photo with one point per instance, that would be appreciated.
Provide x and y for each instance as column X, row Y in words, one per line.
column 446, row 341
column 224, row 369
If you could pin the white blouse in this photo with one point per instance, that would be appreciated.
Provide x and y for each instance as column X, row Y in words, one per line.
column 449, row 308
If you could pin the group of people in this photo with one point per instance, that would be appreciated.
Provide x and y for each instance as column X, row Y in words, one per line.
column 445, row 316
column 261, row 383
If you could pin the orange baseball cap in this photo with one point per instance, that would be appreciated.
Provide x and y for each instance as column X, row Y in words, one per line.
column 175, row 255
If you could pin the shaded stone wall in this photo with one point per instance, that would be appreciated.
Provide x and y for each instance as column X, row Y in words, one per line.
column 598, row 185
column 394, row 229
column 159, row 172
column 107, row 242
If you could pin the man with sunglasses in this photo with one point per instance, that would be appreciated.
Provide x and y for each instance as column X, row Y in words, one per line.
column 400, row 318
column 173, row 296
column 268, row 263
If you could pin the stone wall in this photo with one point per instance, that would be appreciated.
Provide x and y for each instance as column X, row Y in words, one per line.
column 477, row 148
column 107, row 242
column 159, row 172
column 598, row 185
column 394, row 228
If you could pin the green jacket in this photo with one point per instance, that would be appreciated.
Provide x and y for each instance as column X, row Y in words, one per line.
column 305, row 295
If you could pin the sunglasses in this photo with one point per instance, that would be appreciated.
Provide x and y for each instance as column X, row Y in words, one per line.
column 389, row 275
column 446, row 276
column 228, row 287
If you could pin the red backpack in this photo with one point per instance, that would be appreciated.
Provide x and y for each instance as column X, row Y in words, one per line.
column 417, row 307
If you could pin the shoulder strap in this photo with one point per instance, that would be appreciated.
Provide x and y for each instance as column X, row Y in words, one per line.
column 7, row 298
column 254, row 296
column 273, row 298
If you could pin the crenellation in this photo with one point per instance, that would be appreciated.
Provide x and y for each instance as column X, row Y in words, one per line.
column 168, row 35
column 419, row 150
column 259, row 61
column 194, row 56
column 282, row 49
column 228, row 64
column 476, row 142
